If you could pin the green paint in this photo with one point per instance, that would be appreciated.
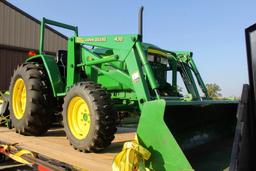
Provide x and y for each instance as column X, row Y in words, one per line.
column 166, row 153
column 106, row 59
column 52, row 71
column 85, row 117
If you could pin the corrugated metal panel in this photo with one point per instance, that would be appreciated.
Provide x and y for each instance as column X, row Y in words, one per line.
column 2, row 20
column 19, row 30
column 11, row 59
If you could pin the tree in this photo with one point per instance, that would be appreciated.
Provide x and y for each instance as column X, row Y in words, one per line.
column 213, row 90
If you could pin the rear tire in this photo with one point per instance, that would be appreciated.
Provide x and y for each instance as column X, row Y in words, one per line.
column 96, row 130
column 35, row 117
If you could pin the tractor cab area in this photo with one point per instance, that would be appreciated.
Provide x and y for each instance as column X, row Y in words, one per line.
column 174, row 64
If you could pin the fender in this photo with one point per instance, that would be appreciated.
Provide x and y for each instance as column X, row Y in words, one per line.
column 52, row 71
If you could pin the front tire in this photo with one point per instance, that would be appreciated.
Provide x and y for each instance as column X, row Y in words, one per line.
column 31, row 100
column 89, row 121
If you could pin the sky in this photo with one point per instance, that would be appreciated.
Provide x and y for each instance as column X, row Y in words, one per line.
column 212, row 29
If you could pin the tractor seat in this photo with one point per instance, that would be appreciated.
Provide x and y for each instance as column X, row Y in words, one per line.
column 61, row 61
column 62, row 57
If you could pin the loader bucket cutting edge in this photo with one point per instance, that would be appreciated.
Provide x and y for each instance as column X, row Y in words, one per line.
column 174, row 133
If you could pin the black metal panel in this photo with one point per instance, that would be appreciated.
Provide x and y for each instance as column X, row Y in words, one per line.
column 250, row 36
column 240, row 155
column 247, row 151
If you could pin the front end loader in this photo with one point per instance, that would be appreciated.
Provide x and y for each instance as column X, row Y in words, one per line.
column 99, row 77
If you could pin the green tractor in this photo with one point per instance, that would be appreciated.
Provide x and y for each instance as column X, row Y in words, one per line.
column 101, row 77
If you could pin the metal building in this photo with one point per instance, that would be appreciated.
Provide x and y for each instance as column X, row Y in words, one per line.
column 20, row 33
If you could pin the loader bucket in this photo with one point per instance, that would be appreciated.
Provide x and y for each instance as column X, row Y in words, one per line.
column 188, row 135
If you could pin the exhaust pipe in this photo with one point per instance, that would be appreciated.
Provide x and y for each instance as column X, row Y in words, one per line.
column 140, row 24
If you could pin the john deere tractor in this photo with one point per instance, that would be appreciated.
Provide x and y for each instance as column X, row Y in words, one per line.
column 99, row 77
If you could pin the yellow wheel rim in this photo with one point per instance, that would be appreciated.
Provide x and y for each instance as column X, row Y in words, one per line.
column 79, row 119
column 19, row 98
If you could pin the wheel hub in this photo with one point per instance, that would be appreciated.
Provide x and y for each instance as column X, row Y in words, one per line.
column 78, row 117
column 19, row 98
